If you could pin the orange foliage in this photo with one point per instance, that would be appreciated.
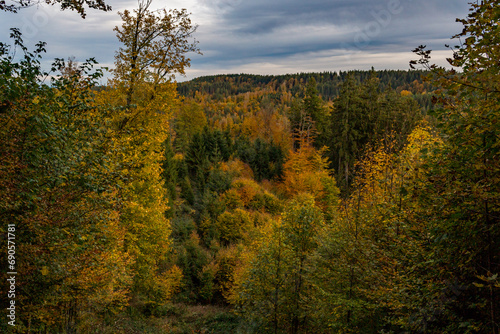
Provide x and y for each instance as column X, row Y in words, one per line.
column 406, row 93
column 237, row 168
column 269, row 126
column 307, row 171
column 247, row 189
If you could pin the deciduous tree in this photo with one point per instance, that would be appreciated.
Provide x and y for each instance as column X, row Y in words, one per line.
column 461, row 197
column 155, row 47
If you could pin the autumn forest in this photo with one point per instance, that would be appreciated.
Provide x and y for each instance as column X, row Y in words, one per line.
column 325, row 202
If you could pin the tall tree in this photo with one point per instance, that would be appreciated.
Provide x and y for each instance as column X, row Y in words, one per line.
column 59, row 190
column 310, row 112
column 362, row 115
column 273, row 291
column 155, row 46
column 315, row 107
column 461, row 200
column 374, row 252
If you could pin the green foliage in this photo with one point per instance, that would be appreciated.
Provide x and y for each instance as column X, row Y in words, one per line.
column 187, row 190
column 218, row 181
column 183, row 227
column 363, row 115
column 328, row 83
column 273, row 293
column 170, row 175
column 124, row 195
column 260, row 298
column 58, row 182
column 266, row 202
column 188, row 120
column 265, row 159
column 461, row 192
column 191, row 259
column 311, row 109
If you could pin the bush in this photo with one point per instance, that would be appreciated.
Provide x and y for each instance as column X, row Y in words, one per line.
column 232, row 225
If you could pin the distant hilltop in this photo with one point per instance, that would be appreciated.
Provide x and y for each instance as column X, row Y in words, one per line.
column 328, row 83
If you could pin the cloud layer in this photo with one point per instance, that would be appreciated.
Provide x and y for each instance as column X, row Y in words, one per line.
column 264, row 36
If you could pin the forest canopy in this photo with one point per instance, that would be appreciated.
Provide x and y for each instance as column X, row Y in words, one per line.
column 328, row 202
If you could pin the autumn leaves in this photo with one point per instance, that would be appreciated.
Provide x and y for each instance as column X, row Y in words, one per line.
column 81, row 171
column 127, row 197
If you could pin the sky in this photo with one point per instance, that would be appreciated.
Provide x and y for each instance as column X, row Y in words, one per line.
column 263, row 36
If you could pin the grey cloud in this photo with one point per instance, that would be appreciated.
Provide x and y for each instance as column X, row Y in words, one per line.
column 239, row 34
column 263, row 30
column 259, row 16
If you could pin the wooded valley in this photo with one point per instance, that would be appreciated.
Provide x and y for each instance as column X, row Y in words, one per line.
column 332, row 202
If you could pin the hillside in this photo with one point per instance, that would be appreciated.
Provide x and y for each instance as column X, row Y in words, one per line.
column 349, row 202
column 328, row 83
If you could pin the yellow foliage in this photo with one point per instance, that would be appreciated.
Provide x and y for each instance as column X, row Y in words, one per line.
column 167, row 283
column 241, row 271
column 378, row 212
column 231, row 199
column 233, row 225
column 247, row 189
column 178, row 157
column 138, row 135
column 228, row 260
column 406, row 93
column 251, row 195
column 383, row 173
column 190, row 119
column 237, row 168
column 306, row 170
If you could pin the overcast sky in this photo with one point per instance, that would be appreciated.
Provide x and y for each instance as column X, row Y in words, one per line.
column 264, row 36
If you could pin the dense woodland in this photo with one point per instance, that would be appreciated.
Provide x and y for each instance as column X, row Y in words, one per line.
column 334, row 202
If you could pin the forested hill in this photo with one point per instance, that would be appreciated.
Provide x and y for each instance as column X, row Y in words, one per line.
column 324, row 203
column 328, row 83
